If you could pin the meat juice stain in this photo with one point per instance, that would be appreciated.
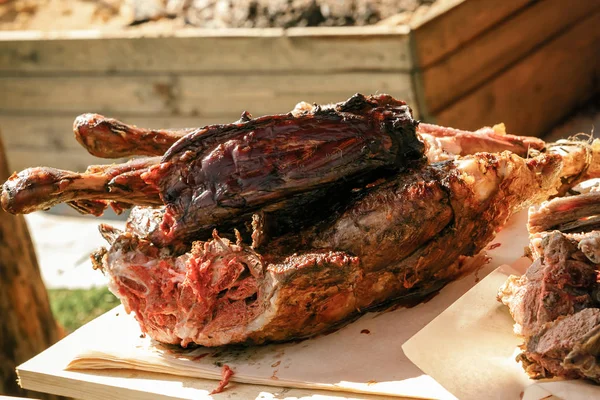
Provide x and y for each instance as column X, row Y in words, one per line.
column 274, row 376
column 276, row 364
column 494, row 246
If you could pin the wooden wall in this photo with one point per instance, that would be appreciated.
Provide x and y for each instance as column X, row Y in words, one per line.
column 192, row 79
column 467, row 63
column 530, row 71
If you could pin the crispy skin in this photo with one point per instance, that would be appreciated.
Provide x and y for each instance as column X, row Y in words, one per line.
column 221, row 292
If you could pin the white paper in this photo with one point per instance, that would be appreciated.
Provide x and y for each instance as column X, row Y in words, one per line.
column 473, row 348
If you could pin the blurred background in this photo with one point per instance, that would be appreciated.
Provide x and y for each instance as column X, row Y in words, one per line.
column 534, row 65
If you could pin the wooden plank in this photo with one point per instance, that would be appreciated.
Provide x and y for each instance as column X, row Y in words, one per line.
column 510, row 41
column 201, row 96
column 534, row 94
column 232, row 51
column 54, row 133
column 262, row 95
column 451, row 24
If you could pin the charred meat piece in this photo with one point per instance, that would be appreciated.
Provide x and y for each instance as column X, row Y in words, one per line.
column 213, row 174
column 560, row 282
column 568, row 347
column 223, row 292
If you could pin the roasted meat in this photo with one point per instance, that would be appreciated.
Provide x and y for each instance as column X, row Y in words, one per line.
column 109, row 138
column 226, row 172
column 322, row 213
column 568, row 347
column 41, row 188
column 556, row 304
column 561, row 281
column 403, row 237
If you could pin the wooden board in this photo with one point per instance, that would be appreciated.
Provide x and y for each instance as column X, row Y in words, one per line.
column 493, row 51
column 203, row 50
column 537, row 92
column 191, row 95
column 450, row 24
column 211, row 76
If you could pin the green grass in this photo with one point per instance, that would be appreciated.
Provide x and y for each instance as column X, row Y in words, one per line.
column 73, row 308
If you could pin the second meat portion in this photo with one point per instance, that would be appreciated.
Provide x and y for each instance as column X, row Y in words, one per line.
column 556, row 303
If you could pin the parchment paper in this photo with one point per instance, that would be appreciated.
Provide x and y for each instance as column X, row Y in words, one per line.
column 365, row 356
column 472, row 349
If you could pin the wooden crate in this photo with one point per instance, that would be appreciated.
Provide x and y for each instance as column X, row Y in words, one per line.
column 530, row 70
column 465, row 64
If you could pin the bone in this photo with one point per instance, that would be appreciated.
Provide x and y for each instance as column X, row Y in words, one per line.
column 564, row 213
column 447, row 143
column 40, row 188
column 109, row 138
